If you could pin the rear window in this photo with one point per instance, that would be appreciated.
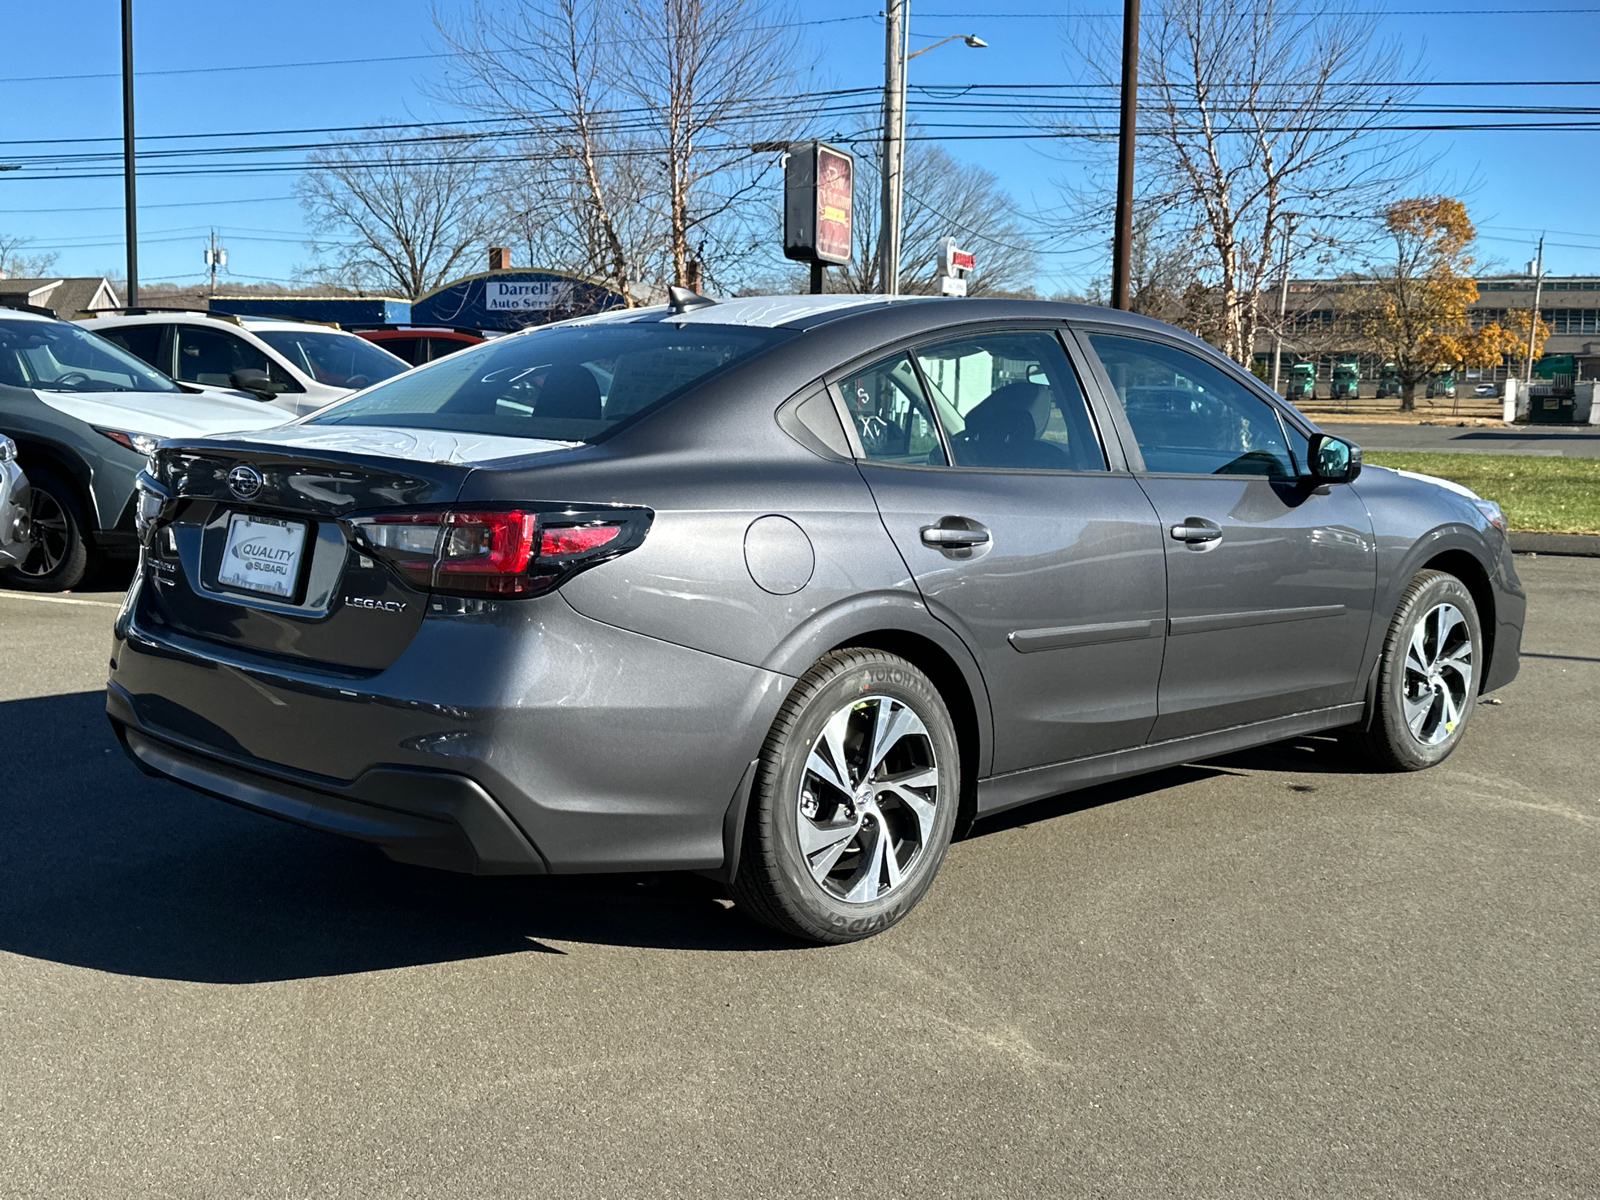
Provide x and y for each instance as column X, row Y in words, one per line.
column 573, row 384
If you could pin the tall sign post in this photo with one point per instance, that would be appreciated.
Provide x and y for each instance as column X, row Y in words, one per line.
column 1122, row 239
column 129, row 203
column 818, row 206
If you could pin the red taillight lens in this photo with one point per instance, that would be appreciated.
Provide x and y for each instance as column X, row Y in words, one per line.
column 498, row 552
column 487, row 551
column 578, row 539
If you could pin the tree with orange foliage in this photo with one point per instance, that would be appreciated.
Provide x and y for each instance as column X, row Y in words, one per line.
column 1414, row 306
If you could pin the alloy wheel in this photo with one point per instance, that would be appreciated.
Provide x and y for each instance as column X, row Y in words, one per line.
column 868, row 797
column 1438, row 674
column 51, row 534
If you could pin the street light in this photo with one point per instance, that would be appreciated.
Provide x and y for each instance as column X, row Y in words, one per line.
column 896, row 55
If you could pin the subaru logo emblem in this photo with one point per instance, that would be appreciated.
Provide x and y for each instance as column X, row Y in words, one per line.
column 244, row 482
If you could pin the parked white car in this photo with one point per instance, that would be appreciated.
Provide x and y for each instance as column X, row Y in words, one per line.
column 83, row 415
column 294, row 365
column 14, row 539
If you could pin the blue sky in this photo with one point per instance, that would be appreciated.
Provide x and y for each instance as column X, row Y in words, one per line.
column 1521, row 183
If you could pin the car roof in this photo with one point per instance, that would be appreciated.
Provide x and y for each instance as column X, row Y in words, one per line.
column 809, row 312
column 196, row 317
column 18, row 314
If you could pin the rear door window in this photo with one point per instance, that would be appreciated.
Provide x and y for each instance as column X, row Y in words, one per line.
column 1011, row 399
column 142, row 341
column 891, row 414
column 413, row 350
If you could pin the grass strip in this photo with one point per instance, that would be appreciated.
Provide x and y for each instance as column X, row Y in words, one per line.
column 1539, row 493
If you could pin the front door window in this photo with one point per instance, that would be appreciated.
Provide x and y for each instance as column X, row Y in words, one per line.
column 1187, row 416
column 209, row 357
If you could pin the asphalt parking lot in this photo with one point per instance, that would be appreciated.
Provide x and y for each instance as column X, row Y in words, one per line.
column 1267, row 975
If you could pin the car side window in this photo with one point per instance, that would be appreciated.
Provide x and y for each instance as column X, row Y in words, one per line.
column 1011, row 399
column 891, row 414
column 1188, row 416
column 142, row 341
column 209, row 357
column 413, row 350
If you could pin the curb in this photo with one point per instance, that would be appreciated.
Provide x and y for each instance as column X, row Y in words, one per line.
column 1582, row 545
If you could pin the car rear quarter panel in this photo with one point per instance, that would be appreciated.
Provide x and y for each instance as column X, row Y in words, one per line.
column 710, row 466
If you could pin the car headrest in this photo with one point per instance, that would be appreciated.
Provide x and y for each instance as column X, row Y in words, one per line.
column 569, row 391
column 1006, row 409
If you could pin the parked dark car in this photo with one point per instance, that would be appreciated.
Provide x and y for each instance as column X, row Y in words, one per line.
column 419, row 344
column 789, row 590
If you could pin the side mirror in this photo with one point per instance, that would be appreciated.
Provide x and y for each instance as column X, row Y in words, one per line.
column 255, row 380
column 1334, row 460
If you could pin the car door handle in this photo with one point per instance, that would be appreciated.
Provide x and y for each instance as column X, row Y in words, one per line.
column 1196, row 529
column 942, row 537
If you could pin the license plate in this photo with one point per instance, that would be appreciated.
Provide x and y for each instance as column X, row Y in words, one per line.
column 262, row 554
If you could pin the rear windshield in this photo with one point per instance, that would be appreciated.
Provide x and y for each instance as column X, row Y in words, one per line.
column 565, row 383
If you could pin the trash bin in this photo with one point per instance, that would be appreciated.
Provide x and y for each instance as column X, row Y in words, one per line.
column 1550, row 410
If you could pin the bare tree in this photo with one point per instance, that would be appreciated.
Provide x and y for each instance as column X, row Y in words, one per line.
column 15, row 264
column 943, row 198
column 406, row 212
column 1257, row 116
column 642, row 112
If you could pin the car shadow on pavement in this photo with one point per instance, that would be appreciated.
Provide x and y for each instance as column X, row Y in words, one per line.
column 103, row 867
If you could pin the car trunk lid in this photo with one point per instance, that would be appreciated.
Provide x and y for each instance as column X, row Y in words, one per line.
column 258, row 551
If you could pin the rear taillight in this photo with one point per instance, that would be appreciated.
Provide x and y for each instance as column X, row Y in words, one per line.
column 498, row 552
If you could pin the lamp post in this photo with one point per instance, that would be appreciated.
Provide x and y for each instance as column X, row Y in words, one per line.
column 895, row 58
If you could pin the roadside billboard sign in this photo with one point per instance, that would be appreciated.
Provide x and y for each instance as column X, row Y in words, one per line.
column 818, row 203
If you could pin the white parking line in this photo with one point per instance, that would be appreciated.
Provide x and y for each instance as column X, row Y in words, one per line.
column 4, row 595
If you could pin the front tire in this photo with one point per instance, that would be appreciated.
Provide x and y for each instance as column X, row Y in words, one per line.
column 1429, row 675
column 854, row 800
column 58, row 558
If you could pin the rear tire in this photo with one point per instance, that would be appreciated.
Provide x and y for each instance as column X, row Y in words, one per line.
column 59, row 557
column 1428, row 676
column 854, row 800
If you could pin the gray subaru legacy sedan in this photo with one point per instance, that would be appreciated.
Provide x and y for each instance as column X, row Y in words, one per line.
column 787, row 590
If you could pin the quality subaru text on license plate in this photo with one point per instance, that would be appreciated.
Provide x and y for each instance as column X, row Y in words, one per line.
column 262, row 554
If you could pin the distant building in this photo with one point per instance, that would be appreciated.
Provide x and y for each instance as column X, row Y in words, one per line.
column 66, row 297
column 1569, row 304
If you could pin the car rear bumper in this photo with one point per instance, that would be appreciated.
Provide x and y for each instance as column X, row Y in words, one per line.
column 431, row 818
column 517, row 737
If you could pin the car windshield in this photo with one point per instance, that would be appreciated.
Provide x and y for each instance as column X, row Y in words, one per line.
column 566, row 383
column 57, row 356
column 337, row 359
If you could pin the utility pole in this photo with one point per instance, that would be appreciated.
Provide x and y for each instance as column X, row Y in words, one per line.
column 129, row 202
column 894, row 141
column 1533, row 317
column 1122, row 240
column 1283, row 302
column 216, row 257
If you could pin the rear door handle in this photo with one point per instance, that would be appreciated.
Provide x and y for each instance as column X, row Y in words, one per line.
column 1196, row 529
column 944, row 537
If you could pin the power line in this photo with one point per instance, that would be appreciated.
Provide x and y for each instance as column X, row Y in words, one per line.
column 348, row 62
